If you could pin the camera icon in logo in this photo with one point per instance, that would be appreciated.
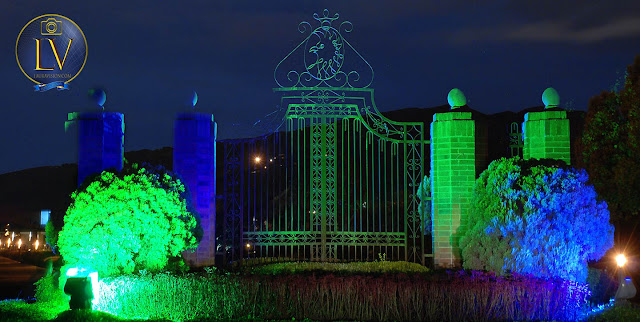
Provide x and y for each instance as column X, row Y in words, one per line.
column 51, row 27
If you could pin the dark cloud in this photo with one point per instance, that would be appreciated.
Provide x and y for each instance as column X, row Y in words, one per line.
column 554, row 31
column 571, row 21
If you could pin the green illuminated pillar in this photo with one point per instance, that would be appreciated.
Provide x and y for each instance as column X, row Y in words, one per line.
column 546, row 133
column 453, row 171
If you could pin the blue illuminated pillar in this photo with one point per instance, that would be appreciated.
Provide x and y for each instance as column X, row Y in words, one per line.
column 100, row 142
column 194, row 158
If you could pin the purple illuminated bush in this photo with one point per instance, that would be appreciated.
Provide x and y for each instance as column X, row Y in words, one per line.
column 535, row 217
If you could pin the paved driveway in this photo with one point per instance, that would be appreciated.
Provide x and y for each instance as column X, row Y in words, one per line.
column 16, row 279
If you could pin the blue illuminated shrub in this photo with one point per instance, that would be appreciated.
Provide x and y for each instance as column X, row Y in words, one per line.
column 535, row 217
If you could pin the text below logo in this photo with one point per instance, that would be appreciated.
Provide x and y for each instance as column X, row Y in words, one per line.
column 51, row 50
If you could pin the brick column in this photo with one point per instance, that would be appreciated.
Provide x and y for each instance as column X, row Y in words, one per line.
column 194, row 158
column 546, row 133
column 453, row 171
column 100, row 142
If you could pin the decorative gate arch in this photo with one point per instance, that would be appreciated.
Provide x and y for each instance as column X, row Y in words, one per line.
column 339, row 181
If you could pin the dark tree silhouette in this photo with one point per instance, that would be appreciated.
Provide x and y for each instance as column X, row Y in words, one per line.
column 609, row 149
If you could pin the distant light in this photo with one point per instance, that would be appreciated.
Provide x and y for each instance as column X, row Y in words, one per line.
column 621, row 260
column 248, row 245
column 257, row 159
column 37, row 244
column 44, row 216
column 270, row 160
column 19, row 243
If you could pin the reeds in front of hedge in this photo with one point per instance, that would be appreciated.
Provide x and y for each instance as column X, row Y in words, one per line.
column 457, row 296
column 449, row 296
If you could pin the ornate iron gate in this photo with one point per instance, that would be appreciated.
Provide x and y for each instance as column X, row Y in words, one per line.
column 339, row 181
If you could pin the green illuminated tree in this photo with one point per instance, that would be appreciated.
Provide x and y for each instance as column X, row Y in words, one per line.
column 610, row 146
column 140, row 218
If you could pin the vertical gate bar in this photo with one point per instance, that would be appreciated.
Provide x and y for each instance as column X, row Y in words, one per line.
column 406, row 205
column 358, row 204
column 421, row 176
column 380, row 151
column 350, row 157
column 324, row 193
column 241, row 199
column 384, row 189
column 305, row 212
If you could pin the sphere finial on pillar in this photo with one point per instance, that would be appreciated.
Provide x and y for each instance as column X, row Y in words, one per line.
column 456, row 98
column 550, row 98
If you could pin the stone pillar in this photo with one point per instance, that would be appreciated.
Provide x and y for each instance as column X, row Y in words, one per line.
column 100, row 142
column 194, row 158
column 453, row 171
column 546, row 133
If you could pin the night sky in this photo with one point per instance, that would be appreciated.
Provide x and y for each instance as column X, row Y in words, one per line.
column 150, row 55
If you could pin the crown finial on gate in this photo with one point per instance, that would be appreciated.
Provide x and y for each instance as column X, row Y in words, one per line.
column 324, row 59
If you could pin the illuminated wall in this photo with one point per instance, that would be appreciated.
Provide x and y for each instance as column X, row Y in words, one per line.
column 100, row 142
column 546, row 133
column 453, row 171
column 194, row 158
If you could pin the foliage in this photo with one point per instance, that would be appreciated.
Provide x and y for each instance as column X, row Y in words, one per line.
column 445, row 296
column 630, row 312
column 122, row 222
column 424, row 208
column 535, row 217
column 49, row 291
column 440, row 295
column 602, row 286
column 51, row 236
column 610, row 146
column 199, row 296
column 18, row 310
column 378, row 267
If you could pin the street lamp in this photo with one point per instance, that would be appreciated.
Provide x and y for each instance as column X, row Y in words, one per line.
column 626, row 289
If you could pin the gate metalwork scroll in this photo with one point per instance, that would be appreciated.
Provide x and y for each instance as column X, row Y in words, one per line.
column 338, row 181
column 516, row 145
